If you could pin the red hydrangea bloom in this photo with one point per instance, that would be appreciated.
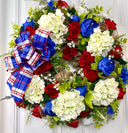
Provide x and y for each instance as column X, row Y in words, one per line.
column 50, row 91
column 37, row 112
column 116, row 52
column 110, row 24
column 121, row 93
column 74, row 123
column 85, row 113
column 62, row 4
column 43, row 68
column 31, row 30
column 90, row 74
column 21, row 104
column 69, row 53
column 86, row 59
column 74, row 31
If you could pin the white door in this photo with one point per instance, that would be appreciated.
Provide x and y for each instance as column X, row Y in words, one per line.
column 12, row 119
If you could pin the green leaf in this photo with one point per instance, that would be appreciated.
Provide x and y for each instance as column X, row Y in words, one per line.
column 65, row 35
column 96, row 19
column 119, row 68
column 113, row 73
column 125, row 40
column 83, row 15
column 90, row 16
column 12, row 44
column 59, row 53
column 51, row 126
column 111, row 31
column 97, row 59
column 115, row 105
column 100, row 74
column 64, row 87
column 121, row 61
column 80, row 36
column 97, row 7
column 56, row 118
column 101, row 9
column 73, row 10
column 77, row 80
column 84, row 81
column 94, row 66
column 84, row 40
column 55, row 3
column 88, row 99
column 93, row 85
column 82, row 47
column 46, row 98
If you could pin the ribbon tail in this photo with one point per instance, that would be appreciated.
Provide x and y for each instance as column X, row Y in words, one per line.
column 21, row 83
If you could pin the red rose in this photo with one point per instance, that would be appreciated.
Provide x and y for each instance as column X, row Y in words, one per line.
column 116, row 52
column 31, row 30
column 90, row 74
column 74, row 123
column 85, row 113
column 38, row 112
column 74, row 31
column 69, row 53
column 86, row 59
column 21, row 104
column 121, row 93
column 43, row 68
column 62, row 4
column 50, row 91
column 110, row 24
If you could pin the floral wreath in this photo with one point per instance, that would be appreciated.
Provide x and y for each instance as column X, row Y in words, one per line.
column 66, row 65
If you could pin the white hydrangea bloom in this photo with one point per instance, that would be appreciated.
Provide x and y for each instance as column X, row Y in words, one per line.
column 35, row 90
column 54, row 22
column 105, row 92
column 69, row 105
column 100, row 43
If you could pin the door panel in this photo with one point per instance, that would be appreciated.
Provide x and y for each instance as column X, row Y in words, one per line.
column 16, row 10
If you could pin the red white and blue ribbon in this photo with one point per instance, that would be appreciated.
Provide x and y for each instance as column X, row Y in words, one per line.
column 27, row 58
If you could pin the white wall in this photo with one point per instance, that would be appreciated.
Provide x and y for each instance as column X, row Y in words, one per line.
column 12, row 120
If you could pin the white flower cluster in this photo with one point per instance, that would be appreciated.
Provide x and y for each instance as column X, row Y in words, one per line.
column 100, row 43
column 69, row 105
column 71, row 44
column 54, row 22
column 105, row 92
column 35, row 90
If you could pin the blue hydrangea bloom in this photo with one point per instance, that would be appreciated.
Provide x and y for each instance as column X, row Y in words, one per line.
column 106, row 66
column 110, row 110
column 50, row 3
column 87, row 27
column 48, row 109
column 29, row 22
column 75, row 18
column 51, row 46
column 124, row 75
column 83, row 90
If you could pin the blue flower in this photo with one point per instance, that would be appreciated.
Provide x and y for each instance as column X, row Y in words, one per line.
column 74, row 18
column 106, row 66
column 29, row 22
column 87, row 27
column 51, row 46
column 48, row 109
column 124, row 75
column 110, row 110
column 83, row 90
column 50, row 3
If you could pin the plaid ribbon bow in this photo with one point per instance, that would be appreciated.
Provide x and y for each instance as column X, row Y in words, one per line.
column 28, row 57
